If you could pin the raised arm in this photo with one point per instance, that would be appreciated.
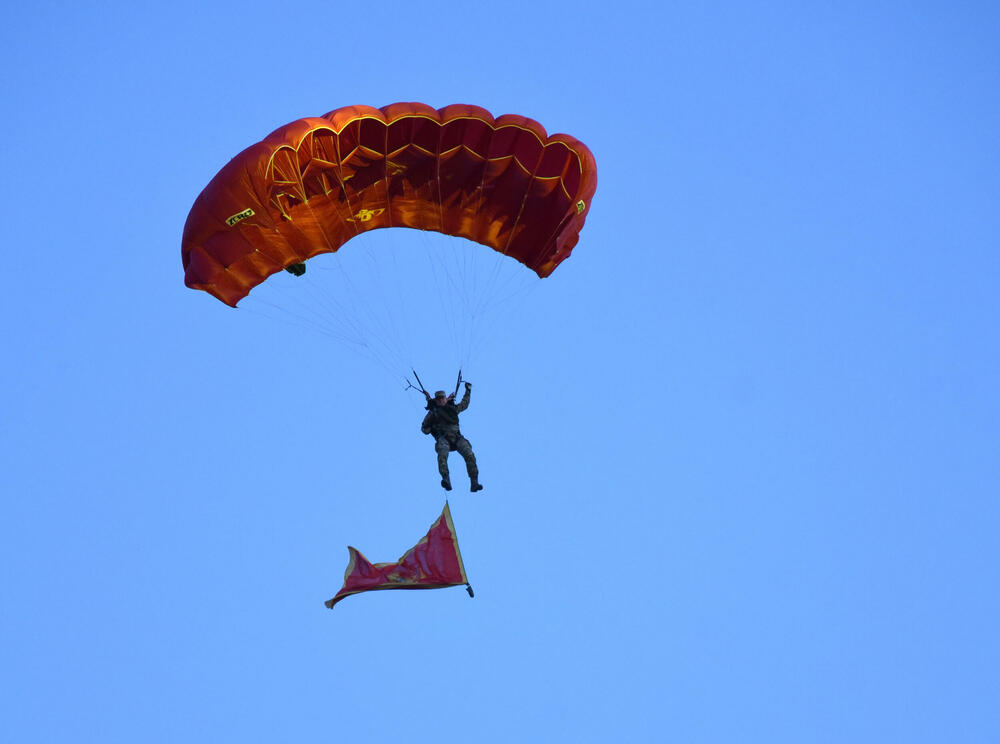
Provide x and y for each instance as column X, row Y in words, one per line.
column 465, row 398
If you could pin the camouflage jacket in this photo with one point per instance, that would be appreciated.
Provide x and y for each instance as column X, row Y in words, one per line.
column 444, row 418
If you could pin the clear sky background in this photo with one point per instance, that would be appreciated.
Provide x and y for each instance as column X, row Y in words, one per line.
column 740, row 450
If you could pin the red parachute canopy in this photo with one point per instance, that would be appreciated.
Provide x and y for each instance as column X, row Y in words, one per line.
column 314, row 184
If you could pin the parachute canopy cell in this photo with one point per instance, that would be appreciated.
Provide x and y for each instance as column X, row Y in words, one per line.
column 312, row 185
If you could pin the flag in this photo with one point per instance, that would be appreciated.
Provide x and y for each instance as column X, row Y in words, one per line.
column 433, row 563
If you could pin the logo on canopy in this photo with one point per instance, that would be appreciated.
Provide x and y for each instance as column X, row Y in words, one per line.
column 365, row 215
column 239, row 217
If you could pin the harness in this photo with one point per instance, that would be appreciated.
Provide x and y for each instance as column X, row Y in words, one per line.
column 439, row 432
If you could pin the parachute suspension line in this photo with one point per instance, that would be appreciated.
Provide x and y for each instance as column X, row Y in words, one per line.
column 354, row 318
column 447, row 290
column 473, row 283
column 334, row 310
column 450, row 314
column 306, row 317
column 373, row 298
column 453, row 318
column 506, row 281
column 365, row 343
column 444, row 262
column 489, row 264
column 484, row 300
column 388, row 295
column 388, row 323
column 474, row 259
column 474, row 270
column 493, row 315
column 464, row 278
column 372, row 345
column 284, row 315
column 453, row 267
column 516, row 285
column 387, row 289
column 392, row 282
column 480, row 292
column 331, row 307
column 418, row 320
column 350, row 315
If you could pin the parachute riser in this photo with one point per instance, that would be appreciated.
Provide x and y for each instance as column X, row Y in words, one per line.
column 422, row 389
column 420, row 385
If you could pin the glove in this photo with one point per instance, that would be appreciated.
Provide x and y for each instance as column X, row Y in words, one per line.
column 468, row 386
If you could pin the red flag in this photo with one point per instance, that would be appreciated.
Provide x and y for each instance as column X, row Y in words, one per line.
column 433, row 563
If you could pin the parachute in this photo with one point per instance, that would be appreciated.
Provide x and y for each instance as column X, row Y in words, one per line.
column 312, row 185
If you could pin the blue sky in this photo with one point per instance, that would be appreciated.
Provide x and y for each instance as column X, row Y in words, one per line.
column 740, row 450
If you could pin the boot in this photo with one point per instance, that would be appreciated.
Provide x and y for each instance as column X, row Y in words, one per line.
column 476, row 486
column 446, row 484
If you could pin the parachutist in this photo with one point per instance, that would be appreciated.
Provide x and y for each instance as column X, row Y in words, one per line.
column 296, row 268
column 442, row 422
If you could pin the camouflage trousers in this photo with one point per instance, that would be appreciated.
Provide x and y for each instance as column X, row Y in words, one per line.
column 455, row 442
